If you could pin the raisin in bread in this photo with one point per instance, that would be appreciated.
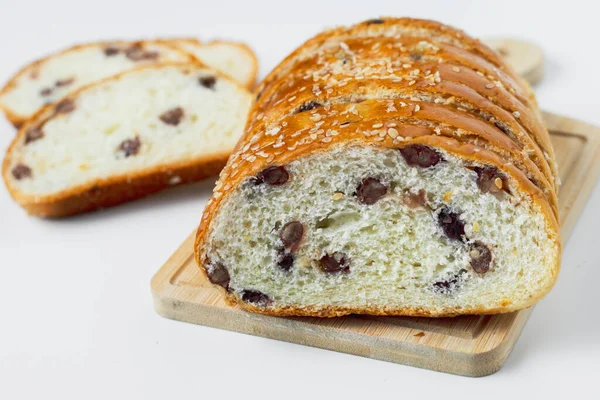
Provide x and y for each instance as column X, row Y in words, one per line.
column 125, row 137
column 235, row 60
column 395, row 167
column 51, row 78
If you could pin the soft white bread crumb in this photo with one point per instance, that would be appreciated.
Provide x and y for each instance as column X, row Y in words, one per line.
column 54, row 77
column 155, row 117
column 398, row 256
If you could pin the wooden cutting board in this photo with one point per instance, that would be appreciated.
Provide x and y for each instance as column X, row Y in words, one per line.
column 467, row 345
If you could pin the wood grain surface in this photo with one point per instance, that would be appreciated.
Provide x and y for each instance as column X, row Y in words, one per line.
column 467, row 345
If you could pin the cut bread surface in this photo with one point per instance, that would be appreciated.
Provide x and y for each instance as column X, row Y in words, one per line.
column 48, row 80
column 371, row 235
column 235, row 60
column 165, row 121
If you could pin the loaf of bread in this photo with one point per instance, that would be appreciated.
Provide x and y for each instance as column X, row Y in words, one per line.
column 394, row 167
column 235, row 60
column 125, row 137
column 48, row 80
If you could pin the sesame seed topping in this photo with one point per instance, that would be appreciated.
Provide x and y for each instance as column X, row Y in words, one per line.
column 455, row 69
column 379, row 125
column 498, row 183
column 490, row 85
column 393, row 133
column 516, row 114
column 337, row 196
column 417, row 107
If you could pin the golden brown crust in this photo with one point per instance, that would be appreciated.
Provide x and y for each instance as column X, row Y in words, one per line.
column 393, row 27
column 390, row 66
column 120, row 189
column 18, row 120
column 292, row 119
column 107, row 192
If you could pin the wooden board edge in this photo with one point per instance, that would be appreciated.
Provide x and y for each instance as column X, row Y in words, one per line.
column 410, row 354
column 591, row 133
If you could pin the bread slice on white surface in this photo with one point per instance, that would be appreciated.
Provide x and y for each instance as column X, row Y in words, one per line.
column 126, row 137
column 233, row 59
column 51, row 78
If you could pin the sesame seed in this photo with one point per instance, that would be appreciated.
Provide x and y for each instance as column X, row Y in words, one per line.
column 490, row 86
column 326, row 140
column 455, row 69
column 393, row 133
column 475, row 227
column 498, row 183
column 377, row 125
column 417, row 107
column 292, row 98
column 337, row 196
column 411, row 83
column 516, row 114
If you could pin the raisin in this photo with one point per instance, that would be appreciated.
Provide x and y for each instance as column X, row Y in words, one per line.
column 208, row 82
column 335, row 263
column 275, row 176
column 172, row 117
column 33, row 134
column 21, row 171
column 111, row 51
column 490, row 180
column 137, row 53
column 291, row 235
column 420, row 155
column 64, row 107
column 451, row 224
column 64, row 82
column 130, row 146
column 370, row 190
column 309, row 105
column 46, row 92
column 481, row 257
column 375, row 21
column 415, row 56
column 285, row 260
column 255, row 297
column 451, row 284
column 415, row 200
column 218, row 274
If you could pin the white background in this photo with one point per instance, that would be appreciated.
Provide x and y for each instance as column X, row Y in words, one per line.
column 76, row 316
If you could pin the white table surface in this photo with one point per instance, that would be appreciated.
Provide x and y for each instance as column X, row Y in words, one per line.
column 77, row 320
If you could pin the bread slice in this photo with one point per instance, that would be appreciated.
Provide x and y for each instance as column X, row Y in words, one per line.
column 353, row 191
column 51, row 78
column 125, row 137
column 235, row 60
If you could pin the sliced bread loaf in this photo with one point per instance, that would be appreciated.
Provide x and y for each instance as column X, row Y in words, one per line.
column 382, row 178
column 51, row 78
column 233, row 59
column 125, row 137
